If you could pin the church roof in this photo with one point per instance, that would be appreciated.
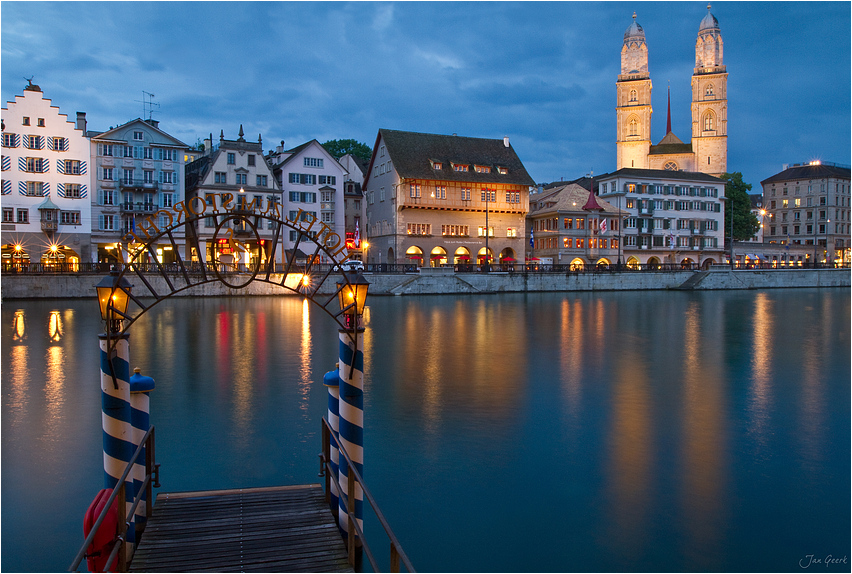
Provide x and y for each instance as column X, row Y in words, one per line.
column 670, row 139
column 669, row 146
column 634, row 31
column 709, row 22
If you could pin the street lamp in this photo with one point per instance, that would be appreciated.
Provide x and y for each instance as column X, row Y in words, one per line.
column 730, row 205
column 113, row 297
column 352, row 296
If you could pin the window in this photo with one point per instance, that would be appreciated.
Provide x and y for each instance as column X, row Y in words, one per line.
column 107, row 197
column 33, row 142
column 127, row 176
column 10, row 140
column 58, row 144
column 303, row 178
column 488, row 195
column 25, row 121
column 454, row 230
column 251, row 159
column 8, row 215
column 481, row 231
column 580, row 242
column 513, row 197
column 105, row 149
column 138, row 136
column 72, row 191
column 633, row 127
column 232, row 158
column 168, row 200
column 459, row 167
column 440, row 192
column 670, row 166
column 23, row 215
column 708, row 91
column 327, row 180
column 262, row 180
column 465, row 194
column 107, row 222
column 785, row 203
column 127, row 151
column 168, row 177
column 35, row 189
column 242, row 178
column 419, row 229
column 69, row 217
column 482, row 169
column 708, row 122
column 511, row 232
column 313, row 162
column 797, row 202
column 414, row 190
column 220, row 177
column 147, row 176
column 633, row 96
column 34, row 164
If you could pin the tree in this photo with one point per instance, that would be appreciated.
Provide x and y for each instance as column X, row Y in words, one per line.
column 746, row 223
column 339, row 148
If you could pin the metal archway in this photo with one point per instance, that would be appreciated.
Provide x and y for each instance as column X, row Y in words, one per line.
column 294, row 276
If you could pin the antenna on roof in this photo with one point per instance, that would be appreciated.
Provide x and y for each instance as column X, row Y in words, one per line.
column 148, row 105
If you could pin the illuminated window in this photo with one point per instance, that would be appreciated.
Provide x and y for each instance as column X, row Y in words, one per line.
column 482, row 169
column 459, row 167
column 708, row 122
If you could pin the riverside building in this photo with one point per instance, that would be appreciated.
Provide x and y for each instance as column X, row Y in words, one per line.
column 233, row 175
column 673, row 216
column 808, row 204
column 139, row 170
column 435, row 200
column 47, row 211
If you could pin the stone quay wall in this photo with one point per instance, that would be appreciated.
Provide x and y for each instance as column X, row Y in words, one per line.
column 444, row 281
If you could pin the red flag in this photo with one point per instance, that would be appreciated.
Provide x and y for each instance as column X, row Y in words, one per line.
column 603, row 225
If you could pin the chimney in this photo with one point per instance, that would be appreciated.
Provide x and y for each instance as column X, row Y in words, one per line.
column 208, row 145
column 505, row 141
column 280, row 149
column 81, row 121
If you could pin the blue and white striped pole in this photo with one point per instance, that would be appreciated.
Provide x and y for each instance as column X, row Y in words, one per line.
column 351, row 418
column 115, row 419
column 332, row 381
column 140, row 419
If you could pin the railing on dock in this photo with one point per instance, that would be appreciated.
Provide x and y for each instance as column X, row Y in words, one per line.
column 119, row 555
column 396, row 552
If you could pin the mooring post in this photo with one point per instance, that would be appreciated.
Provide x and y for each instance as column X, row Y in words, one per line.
column 140, row 420
column 332, row 382
column 351, row 405
column 115, row 417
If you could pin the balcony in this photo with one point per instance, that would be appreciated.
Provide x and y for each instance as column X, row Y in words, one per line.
column 138, row 207
column 696, row 231
column 138, row 184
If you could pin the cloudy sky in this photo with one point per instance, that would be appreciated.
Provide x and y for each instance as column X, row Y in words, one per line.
column 541, row 73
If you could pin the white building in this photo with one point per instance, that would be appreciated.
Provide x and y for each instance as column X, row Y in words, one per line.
column 675, row 216
column 139, row 169
column 233, row 173
column 46, row 186
column 311, row 180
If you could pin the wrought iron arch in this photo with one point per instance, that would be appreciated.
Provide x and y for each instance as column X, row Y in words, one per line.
column 181, row 275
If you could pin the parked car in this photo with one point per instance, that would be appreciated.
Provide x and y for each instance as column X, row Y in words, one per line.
column 350, row 265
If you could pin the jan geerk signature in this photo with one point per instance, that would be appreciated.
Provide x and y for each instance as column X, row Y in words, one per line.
column 813, row 560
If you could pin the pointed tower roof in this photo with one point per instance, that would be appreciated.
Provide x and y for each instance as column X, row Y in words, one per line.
column 709, row 22
column 669, row 112
column 592, row 203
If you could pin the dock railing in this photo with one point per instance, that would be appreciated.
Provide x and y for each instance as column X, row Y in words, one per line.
column 120, row 550
column 396, row 552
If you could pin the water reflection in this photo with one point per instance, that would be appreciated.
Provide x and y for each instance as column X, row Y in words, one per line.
column 641, row 413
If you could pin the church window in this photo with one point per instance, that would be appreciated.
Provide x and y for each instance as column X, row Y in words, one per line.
column 633, row 127
column 708, row 91
column 708, row 122
column 633, row 96
column 670, row 166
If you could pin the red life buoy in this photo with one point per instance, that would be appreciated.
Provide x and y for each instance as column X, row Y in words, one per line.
column 103, row 542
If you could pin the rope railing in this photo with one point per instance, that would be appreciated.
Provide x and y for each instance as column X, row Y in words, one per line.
column 119, row 551
column 396, row 552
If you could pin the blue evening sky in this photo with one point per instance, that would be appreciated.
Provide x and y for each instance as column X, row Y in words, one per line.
column 542, row 73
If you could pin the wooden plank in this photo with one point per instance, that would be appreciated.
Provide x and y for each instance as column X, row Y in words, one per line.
column 282, row 529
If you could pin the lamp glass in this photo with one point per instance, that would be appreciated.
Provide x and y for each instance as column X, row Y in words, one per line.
column 355, row 292
column 117, row 289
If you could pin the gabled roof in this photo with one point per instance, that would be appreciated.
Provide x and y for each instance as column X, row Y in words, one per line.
column 413, row 155
column 112, row 133
column 818, row 171
column 300, row 148
column 570, row 197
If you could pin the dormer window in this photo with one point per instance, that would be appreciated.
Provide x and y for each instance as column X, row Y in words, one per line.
column 437, row 165
column 482, row 169
column 502, row 170
column 460, row 167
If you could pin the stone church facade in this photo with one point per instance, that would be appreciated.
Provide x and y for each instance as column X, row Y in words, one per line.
column 707, row 152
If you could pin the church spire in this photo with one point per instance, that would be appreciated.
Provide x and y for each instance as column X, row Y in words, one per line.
column 669, row 111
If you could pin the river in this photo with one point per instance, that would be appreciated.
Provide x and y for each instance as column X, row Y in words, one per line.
column 620, row 431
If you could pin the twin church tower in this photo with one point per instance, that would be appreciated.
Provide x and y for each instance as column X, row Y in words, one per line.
column 708, row 150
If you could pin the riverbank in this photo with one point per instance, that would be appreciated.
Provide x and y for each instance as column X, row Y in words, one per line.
column 440, row 281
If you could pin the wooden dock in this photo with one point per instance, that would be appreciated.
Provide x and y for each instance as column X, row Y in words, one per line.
column 274, row 529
